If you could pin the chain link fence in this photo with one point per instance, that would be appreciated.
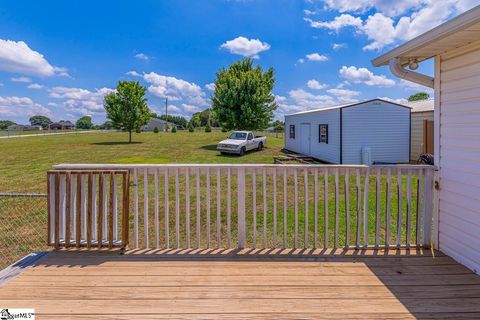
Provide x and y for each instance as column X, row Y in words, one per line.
column 23, row 226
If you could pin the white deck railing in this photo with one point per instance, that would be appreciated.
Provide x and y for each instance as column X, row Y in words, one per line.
column 272, row 206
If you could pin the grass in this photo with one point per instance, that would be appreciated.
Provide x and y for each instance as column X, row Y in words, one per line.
column 24, row 161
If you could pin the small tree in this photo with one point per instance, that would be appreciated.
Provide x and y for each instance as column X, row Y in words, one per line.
column 127, row 107
column 190, row 127
column 208, row 128
column 174, row 129
column 38, row 120
column 243, row 97
column 419, row 96
column 4, row 124
column 84, row 123
column 155, row 130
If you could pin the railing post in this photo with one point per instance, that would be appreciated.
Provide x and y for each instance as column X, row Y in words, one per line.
column 241, row 207
column 427, row 208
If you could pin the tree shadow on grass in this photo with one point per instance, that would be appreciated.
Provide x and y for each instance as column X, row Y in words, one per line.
column 213, row 147
column 114, row 143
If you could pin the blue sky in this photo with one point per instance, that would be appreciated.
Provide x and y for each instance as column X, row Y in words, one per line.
column 59, row 58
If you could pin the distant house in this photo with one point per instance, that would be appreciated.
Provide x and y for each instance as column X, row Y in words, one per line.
column 62, row 125
column 374, row 131
column 422, row 128
column 158, row 123
column 21, row 127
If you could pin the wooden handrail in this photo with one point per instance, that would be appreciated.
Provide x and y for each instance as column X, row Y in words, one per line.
column 271, row 206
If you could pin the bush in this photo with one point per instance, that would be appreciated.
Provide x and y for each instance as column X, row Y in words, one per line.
column 155, row 130
column 138, row 130
column 174, row 129
column 190, row 127
column 208, row 128
column 224, row 130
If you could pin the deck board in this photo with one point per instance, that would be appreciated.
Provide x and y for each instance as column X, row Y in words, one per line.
column 204, row 285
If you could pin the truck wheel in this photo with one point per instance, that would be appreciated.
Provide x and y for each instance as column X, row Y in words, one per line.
column 223, row 153
column 260, row 146
column 242, row 151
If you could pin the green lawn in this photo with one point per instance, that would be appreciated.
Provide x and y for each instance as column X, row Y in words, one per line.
column 24, row 161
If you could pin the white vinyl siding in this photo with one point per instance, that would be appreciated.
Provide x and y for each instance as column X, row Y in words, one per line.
column 417, row 143
column 459, row 155
column 327, row 152
column 381, row 126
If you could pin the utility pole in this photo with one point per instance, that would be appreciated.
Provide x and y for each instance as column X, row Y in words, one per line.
column 166, row 113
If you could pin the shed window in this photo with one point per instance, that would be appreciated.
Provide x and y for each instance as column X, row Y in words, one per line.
column 292, row 131
column 323, row 133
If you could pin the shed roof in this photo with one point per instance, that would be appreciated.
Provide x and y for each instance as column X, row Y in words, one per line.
column 452, row 34
column 340, row 106
column 421, row 105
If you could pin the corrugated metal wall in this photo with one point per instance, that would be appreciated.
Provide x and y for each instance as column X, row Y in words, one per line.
column 382, row 126
column 417, row 133
column 328, row 152
column 459, row 196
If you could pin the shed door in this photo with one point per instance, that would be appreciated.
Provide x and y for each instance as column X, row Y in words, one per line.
column 305, row 138
column 428, row 136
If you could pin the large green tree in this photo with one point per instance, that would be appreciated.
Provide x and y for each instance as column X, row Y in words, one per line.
column 4, row 124
column 419, row 96
column 127, row 107
column 84, row 123
column 40, row 121
column 243, row 97
column 200, row 119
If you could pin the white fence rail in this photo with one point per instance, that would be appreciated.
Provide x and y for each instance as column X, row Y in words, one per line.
column 88, row 208
column 278, row 206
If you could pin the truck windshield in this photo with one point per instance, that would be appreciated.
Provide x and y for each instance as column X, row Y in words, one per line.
column 238, row 136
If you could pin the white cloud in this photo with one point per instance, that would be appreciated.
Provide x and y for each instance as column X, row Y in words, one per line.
column 17, row 57
column 339, row 22
column 309, row 12
column 383, row 28
column 14, row 106
column 363, row 75
column 35, row 86
column 388, row 7
column 21, row 79
column 344, row 95
column 175, row 89
column 81, row 101
column 133, row 73
column 399, row 100
column 316, row 57
column 188, row 108
column 246, row 47
column 142, row 56
column 307, row 99
column 1, row 84
column 301, row 60
column 314, row 84
column 338, row 46
column 210, row 86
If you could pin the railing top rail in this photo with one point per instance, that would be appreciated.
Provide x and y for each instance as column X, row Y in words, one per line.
column 99, row 166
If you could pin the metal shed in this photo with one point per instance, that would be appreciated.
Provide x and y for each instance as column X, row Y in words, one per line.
column 378, row 129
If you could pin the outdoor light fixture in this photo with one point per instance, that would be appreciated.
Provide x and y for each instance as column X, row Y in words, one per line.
column 413, row 65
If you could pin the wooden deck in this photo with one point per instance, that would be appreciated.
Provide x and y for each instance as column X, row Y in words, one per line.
column 247, row 284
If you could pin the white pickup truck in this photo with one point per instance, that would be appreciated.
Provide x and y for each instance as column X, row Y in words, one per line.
column 239, row 142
